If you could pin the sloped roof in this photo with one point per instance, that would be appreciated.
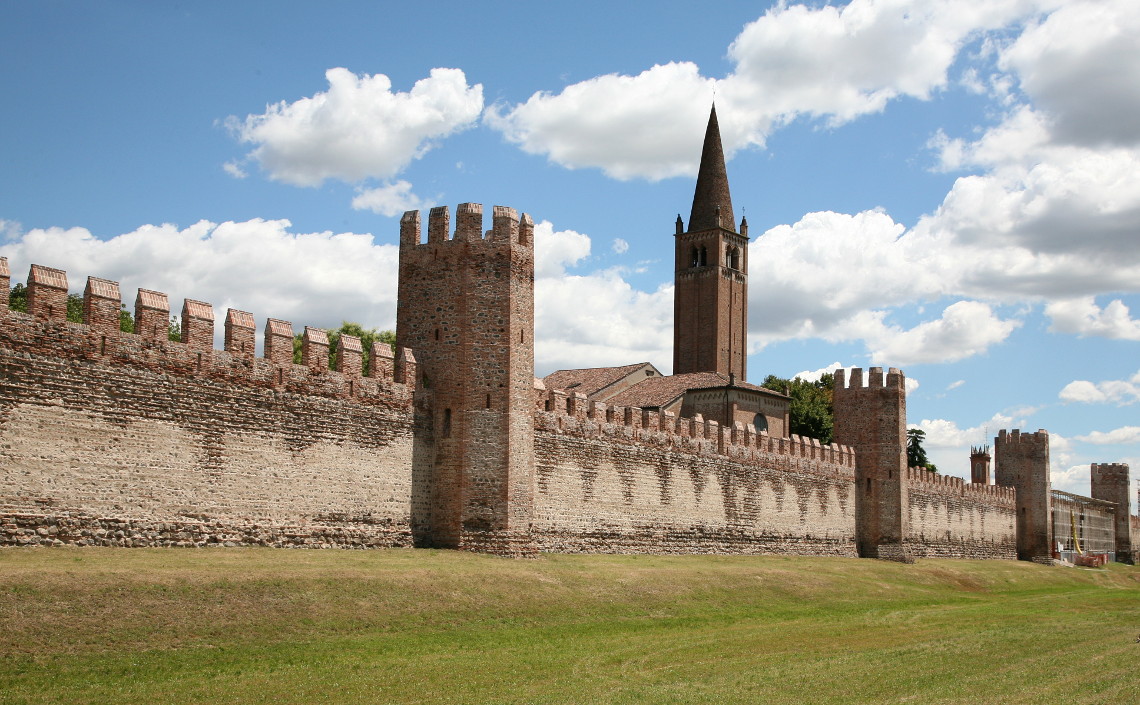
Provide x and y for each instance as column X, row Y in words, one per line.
column 591, row 380
column 656, row 392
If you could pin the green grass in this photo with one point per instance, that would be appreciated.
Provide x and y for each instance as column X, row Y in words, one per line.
column 275, row 626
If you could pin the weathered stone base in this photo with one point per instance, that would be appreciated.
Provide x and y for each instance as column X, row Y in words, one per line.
column 500, row 543
column 897, row 552
column 78, row 529
column 973, row 550
column 656, row 540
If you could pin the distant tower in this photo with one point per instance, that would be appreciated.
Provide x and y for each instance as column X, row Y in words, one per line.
column 872, row 420
column 980, row 465
column 1110, row 482
column 1022, row 462
column 466, row 307
column 710, row 299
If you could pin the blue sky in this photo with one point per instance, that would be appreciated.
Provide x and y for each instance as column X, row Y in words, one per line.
column 952, row 188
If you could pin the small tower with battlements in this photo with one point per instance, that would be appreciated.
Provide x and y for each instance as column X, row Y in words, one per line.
column 980, row 465
column 1021, row 461
column 1110, row 482
column 872, row 420
column 710, row 297
column 466, row 307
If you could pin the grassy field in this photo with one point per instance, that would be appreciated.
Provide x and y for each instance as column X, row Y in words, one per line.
column 275, row 626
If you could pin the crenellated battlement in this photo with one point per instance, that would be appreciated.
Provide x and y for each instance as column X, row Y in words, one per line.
column 99, row 339
column 895, row 379
column 572, row 414
column 921, row 478
column 508, row 229
column 1010, row 440
column 1111, row 471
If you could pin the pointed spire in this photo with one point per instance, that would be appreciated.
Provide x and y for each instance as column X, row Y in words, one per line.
column 712, row 204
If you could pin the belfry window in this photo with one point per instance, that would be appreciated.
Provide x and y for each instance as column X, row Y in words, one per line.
column 695, row 258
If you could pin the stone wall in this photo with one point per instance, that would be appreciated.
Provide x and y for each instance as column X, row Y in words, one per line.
column 623, row 480
column 949, row 518
column 117, row 439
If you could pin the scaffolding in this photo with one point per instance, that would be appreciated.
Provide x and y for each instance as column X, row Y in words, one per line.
column 1083, row 526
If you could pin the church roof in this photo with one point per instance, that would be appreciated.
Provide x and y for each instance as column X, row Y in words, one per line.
column 592, row 380
column 712, row 185
column 656, row 392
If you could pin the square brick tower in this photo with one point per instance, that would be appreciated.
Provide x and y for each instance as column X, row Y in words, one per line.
column 1110, row 482
column 466, row 307
column 872, row 420
column 710, row 297
column 1022, row 461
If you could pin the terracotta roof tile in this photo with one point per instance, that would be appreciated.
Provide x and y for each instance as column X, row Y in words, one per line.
column 655, row 392
column 591, row 380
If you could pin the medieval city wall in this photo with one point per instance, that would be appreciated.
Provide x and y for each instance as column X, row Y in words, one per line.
column 625, row 480
column 111, row 438
column 950, row 518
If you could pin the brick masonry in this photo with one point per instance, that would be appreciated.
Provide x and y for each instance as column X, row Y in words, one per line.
column 111, row 438
column 623, row 480
column 950, row 518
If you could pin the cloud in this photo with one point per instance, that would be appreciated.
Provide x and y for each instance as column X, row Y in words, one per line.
column 648, row 126
column 966, row 328
column 1117, row 436
column 389, row 199
column 955, row 385
column 941, row 433
column 1082, row 66
column 554, row 251
column 359, row 128
column 620, row 246
column 1119, row 392
column 814, row 375
column 830, row 63
column 260, row 266
column 1083, row 317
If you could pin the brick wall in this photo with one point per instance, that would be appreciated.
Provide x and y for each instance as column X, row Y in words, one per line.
column 949, row 518
column 111, row 438
column 626, row 481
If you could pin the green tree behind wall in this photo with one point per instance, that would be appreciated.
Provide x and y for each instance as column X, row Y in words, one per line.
column 367, row 336
column 810, row 410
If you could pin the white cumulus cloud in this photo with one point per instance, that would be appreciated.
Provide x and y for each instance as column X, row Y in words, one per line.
column 359, row 128
column 1118, row 391
column 1083, row 317
column 389, row 199
column 1117, row 436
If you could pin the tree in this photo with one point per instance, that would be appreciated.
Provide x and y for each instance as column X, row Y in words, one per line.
column 810, row 411
column 367, row 337
column 915, row 453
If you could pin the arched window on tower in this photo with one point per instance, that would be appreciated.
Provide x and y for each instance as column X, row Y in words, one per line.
column 694, row 258
column 732, row 259
column 704, row 257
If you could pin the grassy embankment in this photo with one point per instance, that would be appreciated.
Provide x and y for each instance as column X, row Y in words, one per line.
column 274, row 626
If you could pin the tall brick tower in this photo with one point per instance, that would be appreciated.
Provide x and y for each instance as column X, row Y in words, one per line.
column 1022, row 462
column 466, row 307
column 872, row 420
column 710, row 304
column 1110, row 482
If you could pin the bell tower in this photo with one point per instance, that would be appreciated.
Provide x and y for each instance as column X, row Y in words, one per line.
column 710, row 304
